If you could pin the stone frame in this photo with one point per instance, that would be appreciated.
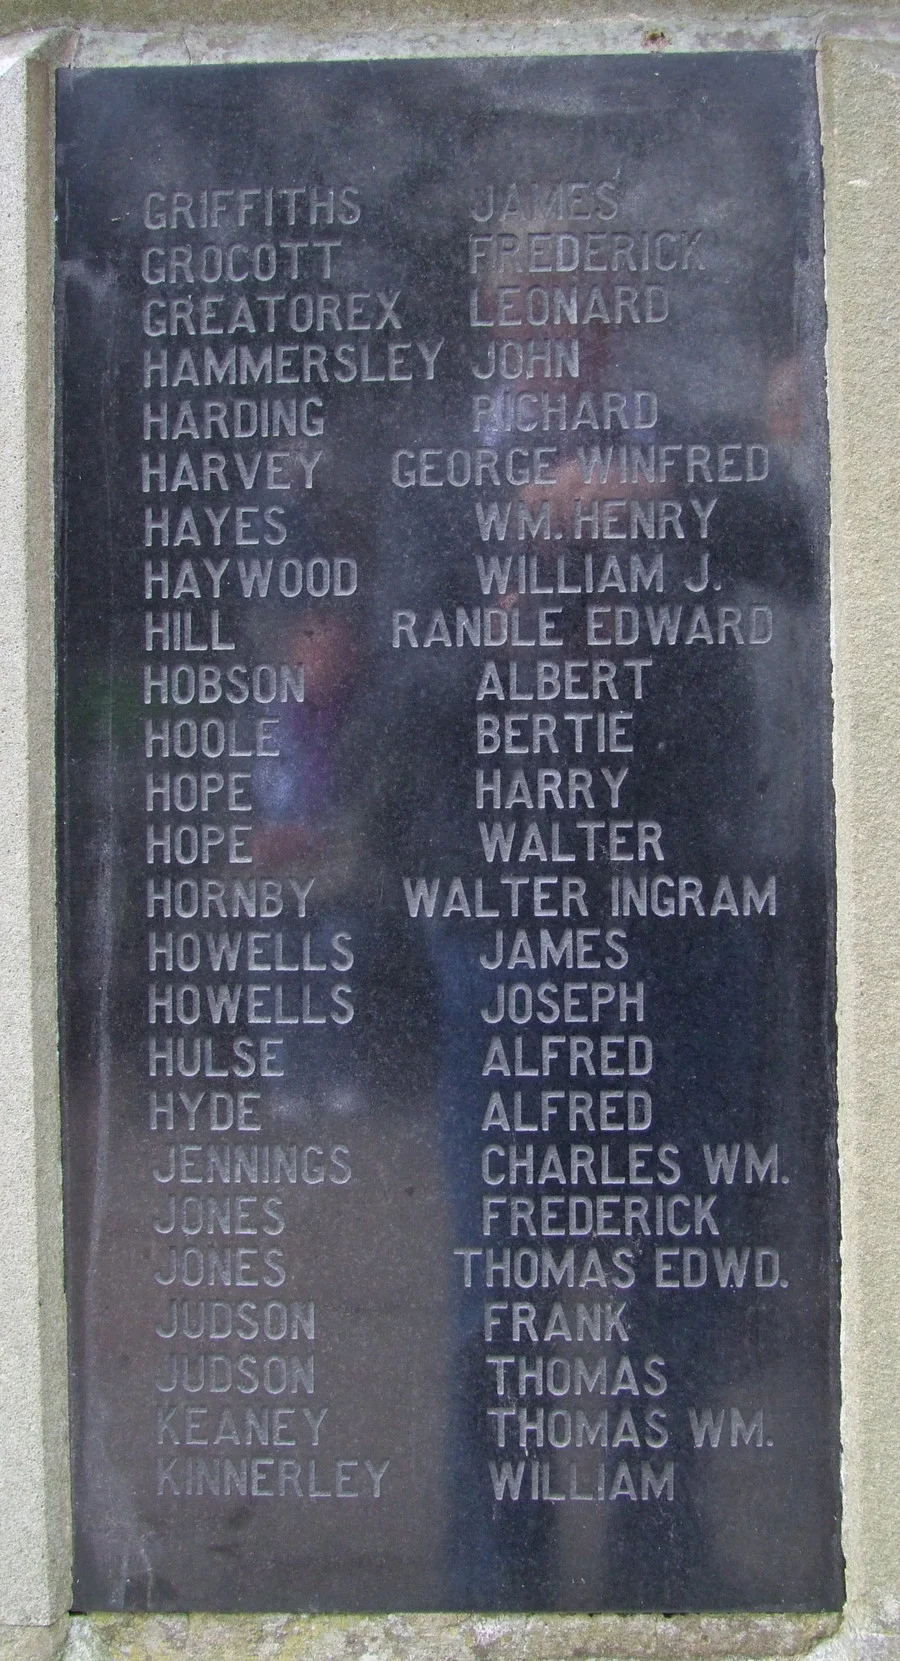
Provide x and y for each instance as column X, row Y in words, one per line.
column 859, row 79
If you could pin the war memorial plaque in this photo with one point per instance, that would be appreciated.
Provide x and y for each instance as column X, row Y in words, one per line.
column 446, row 836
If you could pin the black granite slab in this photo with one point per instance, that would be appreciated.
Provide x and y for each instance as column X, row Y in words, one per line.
column 446, row 841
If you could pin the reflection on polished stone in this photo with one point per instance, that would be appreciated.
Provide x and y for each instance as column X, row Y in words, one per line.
column 446, row 842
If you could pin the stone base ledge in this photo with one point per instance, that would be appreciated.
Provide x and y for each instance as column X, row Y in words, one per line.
column 112, row 1637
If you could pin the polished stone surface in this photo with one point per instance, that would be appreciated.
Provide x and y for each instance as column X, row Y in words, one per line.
column 446, row 837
